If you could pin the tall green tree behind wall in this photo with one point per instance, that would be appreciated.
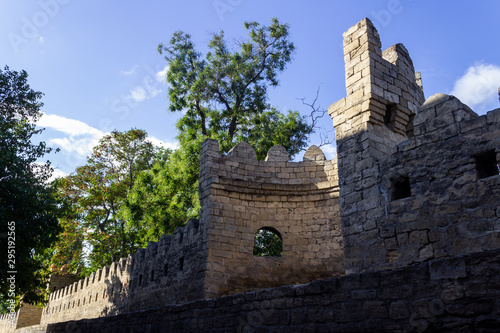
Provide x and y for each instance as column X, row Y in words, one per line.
column 114, row 204
column 223, row 96
column 95, row 233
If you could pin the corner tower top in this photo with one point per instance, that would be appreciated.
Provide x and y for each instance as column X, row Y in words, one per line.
column 382, row 88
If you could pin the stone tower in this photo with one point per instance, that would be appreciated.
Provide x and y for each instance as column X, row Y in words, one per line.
column 383, row 94
column 417, row 181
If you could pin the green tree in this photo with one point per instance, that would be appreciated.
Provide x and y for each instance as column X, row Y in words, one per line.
column 223, row 97
column 268, row 243
column 96, row 192
column 68, row 255
column 274, row 128
column 164, row 196
column 28, row 209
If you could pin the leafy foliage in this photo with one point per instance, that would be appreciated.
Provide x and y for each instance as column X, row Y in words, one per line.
column 268, row 243
column 68, row 253
column 166, row 195
column 94, row 195
column 27, row 205
column 116, row 204
column 223, row 97
column 225, row 94
column 274, row 128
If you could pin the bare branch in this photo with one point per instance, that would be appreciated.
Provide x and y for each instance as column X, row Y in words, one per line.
column 317, row 112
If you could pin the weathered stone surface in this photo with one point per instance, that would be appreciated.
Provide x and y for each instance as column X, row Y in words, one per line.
column 443, row 209
column 314, row 153
column 327, row 308
column 277, row 153
column 410, row 211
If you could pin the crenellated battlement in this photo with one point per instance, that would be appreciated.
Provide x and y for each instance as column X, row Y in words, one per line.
column 150, row 277
column 403, row 213
column 383, row 90
column 158, row 274
column 410, row 172
column 277, row 172
column 241, row 195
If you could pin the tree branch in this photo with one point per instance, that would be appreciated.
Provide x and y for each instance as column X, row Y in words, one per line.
column 315, row 115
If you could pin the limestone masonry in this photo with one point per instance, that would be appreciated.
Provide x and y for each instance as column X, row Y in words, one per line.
column 403, row 228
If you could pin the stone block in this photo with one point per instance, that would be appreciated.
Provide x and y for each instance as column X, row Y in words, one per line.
column 399, row 310
column 493, row 117
column 447, row 269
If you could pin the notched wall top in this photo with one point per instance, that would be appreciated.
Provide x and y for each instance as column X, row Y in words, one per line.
column 242, row 168
column 413, row 182
column 376, row 83
column 418, row 180
column 241, row 195
column 151, row 277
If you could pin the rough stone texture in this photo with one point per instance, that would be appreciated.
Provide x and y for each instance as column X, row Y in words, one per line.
column 30, row 315
column 410, row 211
column 411, row 299
column 214, row 256
column 58, row 281
column 168, row 272
column 239, row 195
column 409, row 185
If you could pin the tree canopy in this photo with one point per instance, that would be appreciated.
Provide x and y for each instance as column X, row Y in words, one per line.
column 128, row 193
column 94, row 195
column 223, row 96
column 28, row 208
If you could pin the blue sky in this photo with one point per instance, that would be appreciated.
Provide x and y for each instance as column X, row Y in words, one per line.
column 98, row 66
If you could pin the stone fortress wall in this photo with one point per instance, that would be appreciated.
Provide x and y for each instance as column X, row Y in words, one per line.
column 214, row 256
column 166, row 272
column 30, row 314
column 240, row 195
column 415, row 183
column 408, row 216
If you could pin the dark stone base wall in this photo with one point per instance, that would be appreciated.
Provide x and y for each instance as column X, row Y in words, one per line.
column 460, row 294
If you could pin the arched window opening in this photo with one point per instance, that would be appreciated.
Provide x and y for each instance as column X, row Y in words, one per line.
column 268, row 243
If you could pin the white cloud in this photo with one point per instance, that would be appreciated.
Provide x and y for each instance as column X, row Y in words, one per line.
column 41, row 39
column 137, row 94
column 81, row 146
column 153, row 92
column 330, row 151
column 57, row 173
column 67, row 125
column 149, row 88
column 164, row 144
column 479, row 85
column 80, row 138
column 161, row 76
column 129, row 72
